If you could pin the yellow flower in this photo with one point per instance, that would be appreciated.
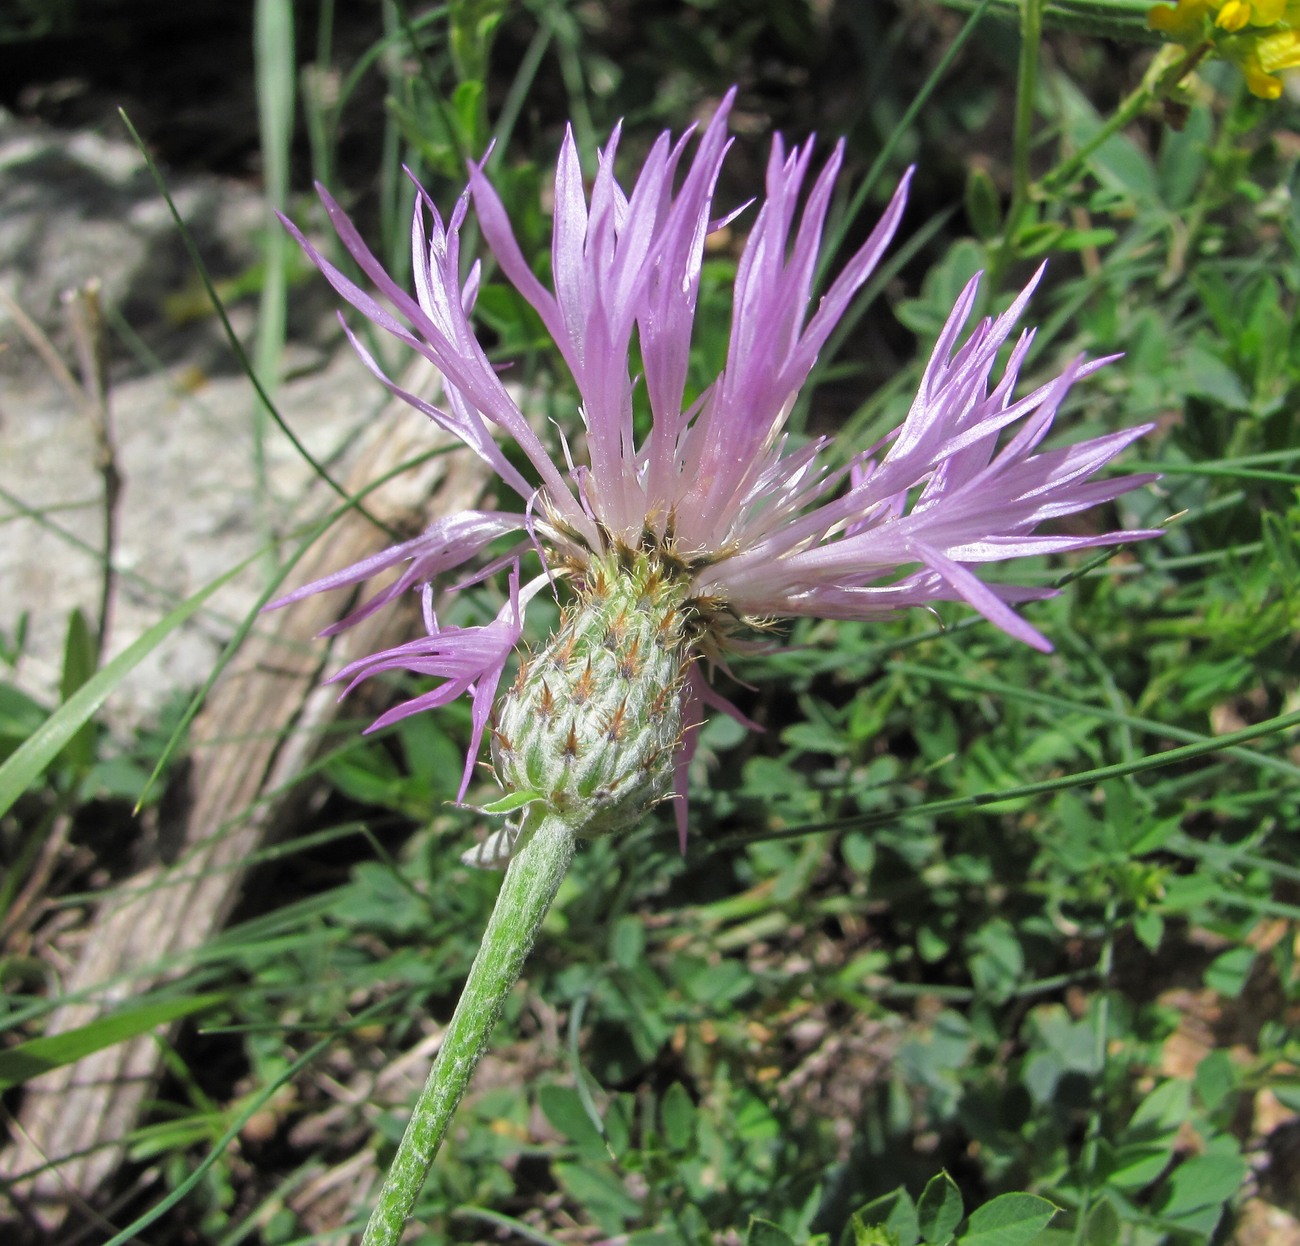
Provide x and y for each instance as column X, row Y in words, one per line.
column 1265, row 57
column 1182, row 20
column 1188, row 18
column 1235, row 14
column 1260, row 37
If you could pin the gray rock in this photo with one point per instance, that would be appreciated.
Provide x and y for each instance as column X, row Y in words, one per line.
column 75, row 207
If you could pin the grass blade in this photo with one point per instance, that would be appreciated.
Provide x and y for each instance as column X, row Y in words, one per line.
column 26, row 764
column 40, row 1055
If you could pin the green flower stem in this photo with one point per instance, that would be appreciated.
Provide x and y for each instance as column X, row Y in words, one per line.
column 1031, row 38
column 526, row 893
column 1165, row 73
column 1171, row 65
column 1022, row 186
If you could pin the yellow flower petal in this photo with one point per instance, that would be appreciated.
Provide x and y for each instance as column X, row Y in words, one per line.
column 1279, row 51
column 1266, row 12
column 1262, row 84
column 1181, row 20
column 1162, row 17
column 1233, row 15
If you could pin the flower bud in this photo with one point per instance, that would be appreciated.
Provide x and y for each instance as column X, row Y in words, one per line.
column 593, row 722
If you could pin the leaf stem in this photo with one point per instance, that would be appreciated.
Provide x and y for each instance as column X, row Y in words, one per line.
column 1022, row 132
column 1170, row 66
column 1092, row 1135
column 1031, row 38
column 526, row 893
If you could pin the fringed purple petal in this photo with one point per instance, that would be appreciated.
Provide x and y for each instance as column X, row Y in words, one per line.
column 442, row 333
column 974, row 591
column 943, row 496
column 467, row 659
column 447, row 543
column 771, row 350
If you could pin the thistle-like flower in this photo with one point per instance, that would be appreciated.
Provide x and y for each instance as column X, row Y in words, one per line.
column 676, row 547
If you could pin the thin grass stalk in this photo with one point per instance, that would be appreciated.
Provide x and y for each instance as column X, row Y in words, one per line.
column 274, row 63
column 196, row 258
column 1082, row 778
column 1096, row 1108
column 85, row 316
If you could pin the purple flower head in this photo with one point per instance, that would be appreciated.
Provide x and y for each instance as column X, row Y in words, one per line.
column 749, row 527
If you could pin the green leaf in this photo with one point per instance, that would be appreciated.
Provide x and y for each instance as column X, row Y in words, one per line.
column 78, row 667
column 382, row 900
column 998, row 961
column 1183, row 156
column 895, row 1213
column 943, row 283
column 1080, row 239
column 471, row 27
column 1228, row 972
column 677, row 1112
column 627, row 941
column 814, row 737
column 20, row 715
column 1203, row 1181
column 1102, row 1227
column 1207, row 376
column 1009, row 1220
column 600, row 1192
column 932, row 945
column 1150, row 929
column 1215, row 1079
column 717, row 984
column 467, row 101
column 765, row 1233
column 869, row 1235
column 28, row 762
column 508, row 803
column 983, row 205
column 939, row 1211
column 1138, row 1165
column 27, row 1060
column 367, row 774
column 1037, row 237
column 563, row 1107
column 1163, row 1111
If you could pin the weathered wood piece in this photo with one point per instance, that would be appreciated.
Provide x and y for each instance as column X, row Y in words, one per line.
column 262, row 727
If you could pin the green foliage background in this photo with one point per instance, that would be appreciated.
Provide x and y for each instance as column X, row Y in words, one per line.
column 1026, row 921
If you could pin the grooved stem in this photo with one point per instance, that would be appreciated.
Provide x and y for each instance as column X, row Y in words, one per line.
column 526, row 893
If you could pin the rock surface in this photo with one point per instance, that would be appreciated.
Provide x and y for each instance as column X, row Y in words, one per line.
column 77, row 207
